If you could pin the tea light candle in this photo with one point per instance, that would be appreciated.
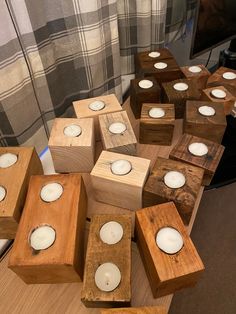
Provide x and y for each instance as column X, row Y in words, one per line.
column 2, row 193
column 194, row 69
column 206, row 111
column 111, row 232
column 97, row 105
column 156, row 113
column 51, row 192
column 154, row 54
column 107, row 277
column 145, row 84
column 72, row 130
column 42, row 238
column 198, row 149
column 180, row 87
column 169, row 240
column 174, row 179
column 218, row 93
column 117, row 128
column 229, row 75
column 121, row 167
column 7, row 160
column 160, row 65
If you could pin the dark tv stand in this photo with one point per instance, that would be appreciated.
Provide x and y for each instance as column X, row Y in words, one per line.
column 228, row 56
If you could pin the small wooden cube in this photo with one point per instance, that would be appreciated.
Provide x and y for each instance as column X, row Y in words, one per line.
column 177, row 97
column 99, row 253
column 63, row 261
column 14, row 180
column 139, row 95
column 82, row 109
column 137, row 310
column 224, row 77
column 157, row 192
column 199, row 74
column 124, row 142
column 72, row 154
column 208, row 162
column 119, row 190
column 167, row 273
column 210, row 127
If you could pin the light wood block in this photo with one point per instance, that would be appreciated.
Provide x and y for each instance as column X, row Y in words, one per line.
column 211, row 128
column 217, row 79
column 167, row 273
column 157, row 131
column 72, row 154
column 157, row 192
column 64, row 260
column 123, row 143
column 208, row 162
column 98, row 253
column 82, row 109
column 119, row 190
column 15, row 180
column 137, row 310
column 199, row 78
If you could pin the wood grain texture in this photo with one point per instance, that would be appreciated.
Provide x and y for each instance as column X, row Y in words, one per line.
column 64, row 260
column 157, row 131
column 156, row 192
column 15, row 180
column 199, row 79
column 208, row 162
column 217, row 79
column 167, row 273
column 98, row 253
column 137, row 310
column 72, row 154
column 124, row 143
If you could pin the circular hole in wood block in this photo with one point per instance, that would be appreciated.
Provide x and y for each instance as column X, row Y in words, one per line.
column 195, row 69
column 107, row 277
column 206, row 111
column 160, row 65
column 111, row 232
column 117, row 128
column 42, row 237
column 169, row 240
column 198, row 149
column 97, row 105
column 145, row 84
column 7, row 160
column 174, row 179
column 156, row 113
column 51, row 192
column 180, row 87
column 154, row 54
column 72, row 130
column 121, row 167
column 229, row 75
column 218, row 93
column 3, row 193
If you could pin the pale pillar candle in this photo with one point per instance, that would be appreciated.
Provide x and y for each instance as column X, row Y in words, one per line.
column 180, row 87
column 160, row 65
column 154, row 54
column 194, row 69
column 2, row 193
column 111, row 232
column 218, row 93
column 7, row 160
column 72, row 130
column 42, row 238
column 169, row 240
column 198, row 149
column 145, row 84
column 51, row 192
column 229, row 75
column 97, row 105
column 121, row 167
column 117, row 128
column 174, row 179
column 107, row 277
column 156, row 113
column 206, row 111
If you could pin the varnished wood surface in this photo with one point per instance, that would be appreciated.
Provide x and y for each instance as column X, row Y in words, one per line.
column 217, row 79
column 137, row 310
column 200, row 78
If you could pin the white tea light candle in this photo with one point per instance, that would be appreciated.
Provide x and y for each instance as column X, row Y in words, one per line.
column 198, row 149
column 117, row 128
column 194, row 69
column 206, row 111
column 111, row 232
column 174, row 179
column 218, row 93
column 145, row 84
column 97, row 105
column 160, row 65
column 156, row 113
column 229, row 75
column 42, row 238
column 154, row 54
column 2, row 193
column 72, row 130
column 51, row 192
column 180, row 87
column 107, row 277
column 121, row 167
column 169, row 240
column 7, row 160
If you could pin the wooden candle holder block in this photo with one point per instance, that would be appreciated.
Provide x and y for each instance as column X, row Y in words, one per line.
column 157, row 192
column 123, row 143
column 199, row 78
column 167, row 273
column 72, row 154
column 15, row 180
column 139, row 95
column 63, row 261
column 217, row 79
column 179, row 98
column 99, row 253
column 82, row 110
column 211, row 128
column 137, row 310
column 119, row 190
column 208, row 162
column 157, row 131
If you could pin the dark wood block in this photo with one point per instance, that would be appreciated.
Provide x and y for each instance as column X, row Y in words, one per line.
column 208, row 162
column 155, row 191
column 137, row 310
column 199, row 78
column 157, row 131
column 167, row 273
column 217, row 79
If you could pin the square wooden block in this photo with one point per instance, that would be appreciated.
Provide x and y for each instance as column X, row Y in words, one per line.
column 63, row 261
column 137, row 310
column 116, row 137
column 187, row 90
column 199, row 74
column 99, row 105
column 149, row 93
column 167, row 273
column 116, row 189
column 224, row 77
column 210, row 127
column 157, row 130
column 72, row 153
column 157, row 192
column 208, row 162
column 94, row 293
column 14, row 182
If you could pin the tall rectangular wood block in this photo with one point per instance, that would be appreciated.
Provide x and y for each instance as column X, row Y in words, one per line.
column 117, row 189
column 157, row 192
column 118, row 138
column 93, row 293
column 93, row 107
column 224, row 77
column 199, row 74
column 167, row 273
column 137, row 310
column 157, row 130
column 63, row 261
column 72, row 144
column 148, row 92
column 210, row 127
column 14, row 180
column 187, row 90
column 208, row 162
